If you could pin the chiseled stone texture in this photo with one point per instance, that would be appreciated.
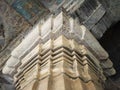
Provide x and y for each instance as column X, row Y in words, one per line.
column 57, row 65
column 12, row 30
column 59, row 54
column 12, row 21
column 96, row 16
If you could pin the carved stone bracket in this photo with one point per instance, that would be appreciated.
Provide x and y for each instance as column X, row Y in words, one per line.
column 59, row 54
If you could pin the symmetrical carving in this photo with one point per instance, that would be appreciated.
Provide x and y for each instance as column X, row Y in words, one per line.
column 59, row 62
column 59, row 54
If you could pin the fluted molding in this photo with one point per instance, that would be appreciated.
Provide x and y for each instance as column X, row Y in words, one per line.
column 59, row 54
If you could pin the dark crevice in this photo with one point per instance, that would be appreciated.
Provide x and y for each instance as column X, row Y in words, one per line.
column 111, row 42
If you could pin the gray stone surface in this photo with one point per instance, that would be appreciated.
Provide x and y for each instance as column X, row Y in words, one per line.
column 96, row 20
column 6, row 82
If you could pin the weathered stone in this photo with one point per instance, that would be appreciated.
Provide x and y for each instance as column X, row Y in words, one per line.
column 58, row 59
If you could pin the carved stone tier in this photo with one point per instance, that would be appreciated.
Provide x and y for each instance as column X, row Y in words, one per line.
column 59, row 54
column 94, row 14
column 91, row 13
column 12, row 29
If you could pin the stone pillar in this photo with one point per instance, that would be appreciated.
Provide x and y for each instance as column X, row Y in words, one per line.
column 59, row 54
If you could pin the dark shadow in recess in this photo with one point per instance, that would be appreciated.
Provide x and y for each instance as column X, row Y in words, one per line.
column 111, row 42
